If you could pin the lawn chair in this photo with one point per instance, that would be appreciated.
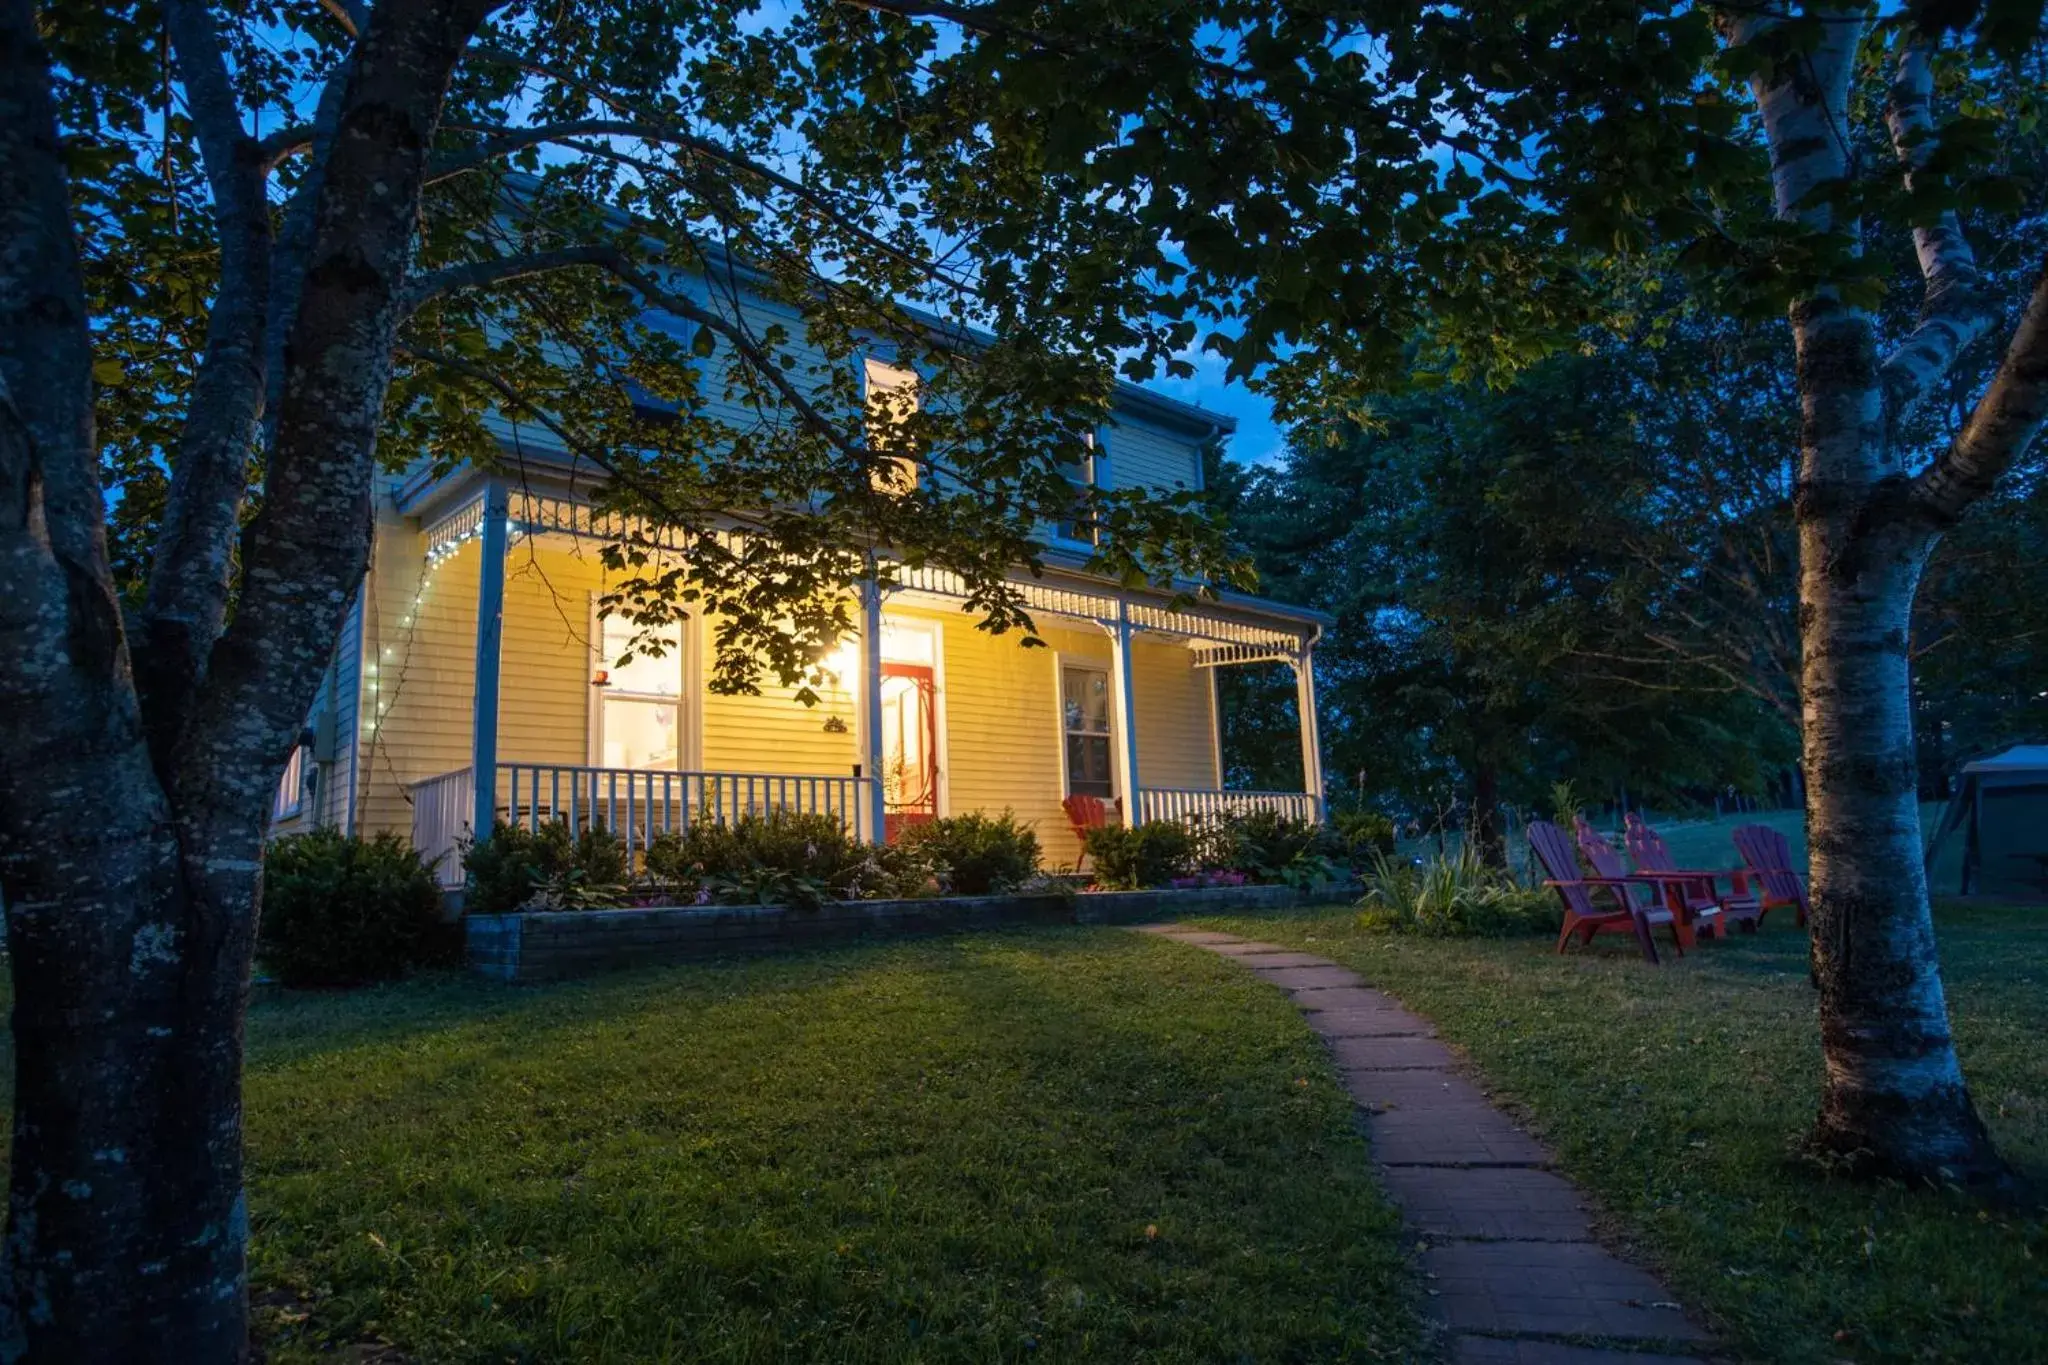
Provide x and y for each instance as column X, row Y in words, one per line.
column 1769, row 856
column 1649, row 889
column 1089, row 812
column 1553, row 848
column 1647, row 850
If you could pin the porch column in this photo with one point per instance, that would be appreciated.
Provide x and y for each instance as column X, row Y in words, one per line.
column 1125, row 728
column 869, row 721
column 490, row 633
column 1311, row 740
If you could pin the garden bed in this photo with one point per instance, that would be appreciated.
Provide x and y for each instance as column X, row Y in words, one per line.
column 552, row 945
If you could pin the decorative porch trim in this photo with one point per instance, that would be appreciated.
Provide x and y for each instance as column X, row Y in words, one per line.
column 1220, row 656
column 538, row 514
column 455, row 529
column 1106, row 610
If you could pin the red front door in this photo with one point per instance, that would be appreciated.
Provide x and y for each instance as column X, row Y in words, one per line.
column 910, row 746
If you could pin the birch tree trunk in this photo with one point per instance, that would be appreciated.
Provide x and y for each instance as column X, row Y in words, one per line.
column 132, row 820
column 1894, row 1100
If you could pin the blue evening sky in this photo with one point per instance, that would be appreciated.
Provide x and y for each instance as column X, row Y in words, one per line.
column 1259, row 439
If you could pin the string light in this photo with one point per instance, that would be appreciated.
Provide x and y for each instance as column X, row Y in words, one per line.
column 439, row 553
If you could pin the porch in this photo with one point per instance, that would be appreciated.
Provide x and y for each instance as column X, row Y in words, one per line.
column 929, row 718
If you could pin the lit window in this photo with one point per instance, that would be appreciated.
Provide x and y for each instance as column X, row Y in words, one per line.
column 639, row 709
column 1085, row 710
column 892, row 398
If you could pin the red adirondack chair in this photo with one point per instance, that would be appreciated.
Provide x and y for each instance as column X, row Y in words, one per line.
column 1701, row 891
column 1085, row 813
column 1649, row 889
column 1582, row 918
column 1769, row 856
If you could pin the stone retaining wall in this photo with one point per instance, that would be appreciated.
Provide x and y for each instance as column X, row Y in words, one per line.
column 551, row 945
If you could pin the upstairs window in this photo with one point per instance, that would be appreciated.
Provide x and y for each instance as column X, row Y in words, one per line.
column 1078, row 526
column 893, row 397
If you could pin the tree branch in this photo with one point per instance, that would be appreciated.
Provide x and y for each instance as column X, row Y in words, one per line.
column 517, row 403
column 351, row 15
column 284, row 143
column 509, row 140
column 304, row 555
column 2001, row 426
column 1804, row 103
column 294, row 238
column 1953, row 311
column 185, row 605
column 500, row 269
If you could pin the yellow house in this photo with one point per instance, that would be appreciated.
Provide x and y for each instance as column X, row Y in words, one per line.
column 475, row 648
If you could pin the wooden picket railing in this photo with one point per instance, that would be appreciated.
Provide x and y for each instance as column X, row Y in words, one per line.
column 637, row 804
column 1204, row 804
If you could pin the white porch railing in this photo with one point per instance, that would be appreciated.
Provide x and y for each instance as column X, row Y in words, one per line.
column 637, row 804
column 1196, row 804
column 440, row 821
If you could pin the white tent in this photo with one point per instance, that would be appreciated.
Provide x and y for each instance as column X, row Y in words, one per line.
column 2002, row 803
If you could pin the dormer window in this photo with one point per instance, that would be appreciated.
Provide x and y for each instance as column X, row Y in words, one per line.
column 893, row 397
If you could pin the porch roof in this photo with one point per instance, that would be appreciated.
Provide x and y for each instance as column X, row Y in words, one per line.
column 1223, row 627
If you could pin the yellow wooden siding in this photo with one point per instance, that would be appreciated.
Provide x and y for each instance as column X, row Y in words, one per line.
column 419, row 664
column 544, row 692
column 1002, row 738
column 773, row 732
column 1176, row 743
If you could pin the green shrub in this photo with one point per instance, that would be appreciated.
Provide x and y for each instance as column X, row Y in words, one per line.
column 1456, row 897
column 1151, row 854
column 1362, row 834
column 1268, row 847
column 340, row 911
column 551, row 867
column 975, row 854
column 794, row 858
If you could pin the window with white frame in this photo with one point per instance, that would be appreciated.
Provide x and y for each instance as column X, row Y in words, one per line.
column 638, row 720
column 1086, row 711
column 1079, row 524
column 893, row 397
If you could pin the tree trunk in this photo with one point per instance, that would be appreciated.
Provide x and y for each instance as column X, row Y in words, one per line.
column 127, row 1232
column 131, row 870
column 1486, row 835
column 1893, row 1102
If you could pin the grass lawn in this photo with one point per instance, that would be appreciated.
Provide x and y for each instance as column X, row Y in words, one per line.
column 1058, row 1145
column 1677, row 1094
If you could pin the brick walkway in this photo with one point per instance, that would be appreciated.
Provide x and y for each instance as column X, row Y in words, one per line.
column 1515, row 1276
